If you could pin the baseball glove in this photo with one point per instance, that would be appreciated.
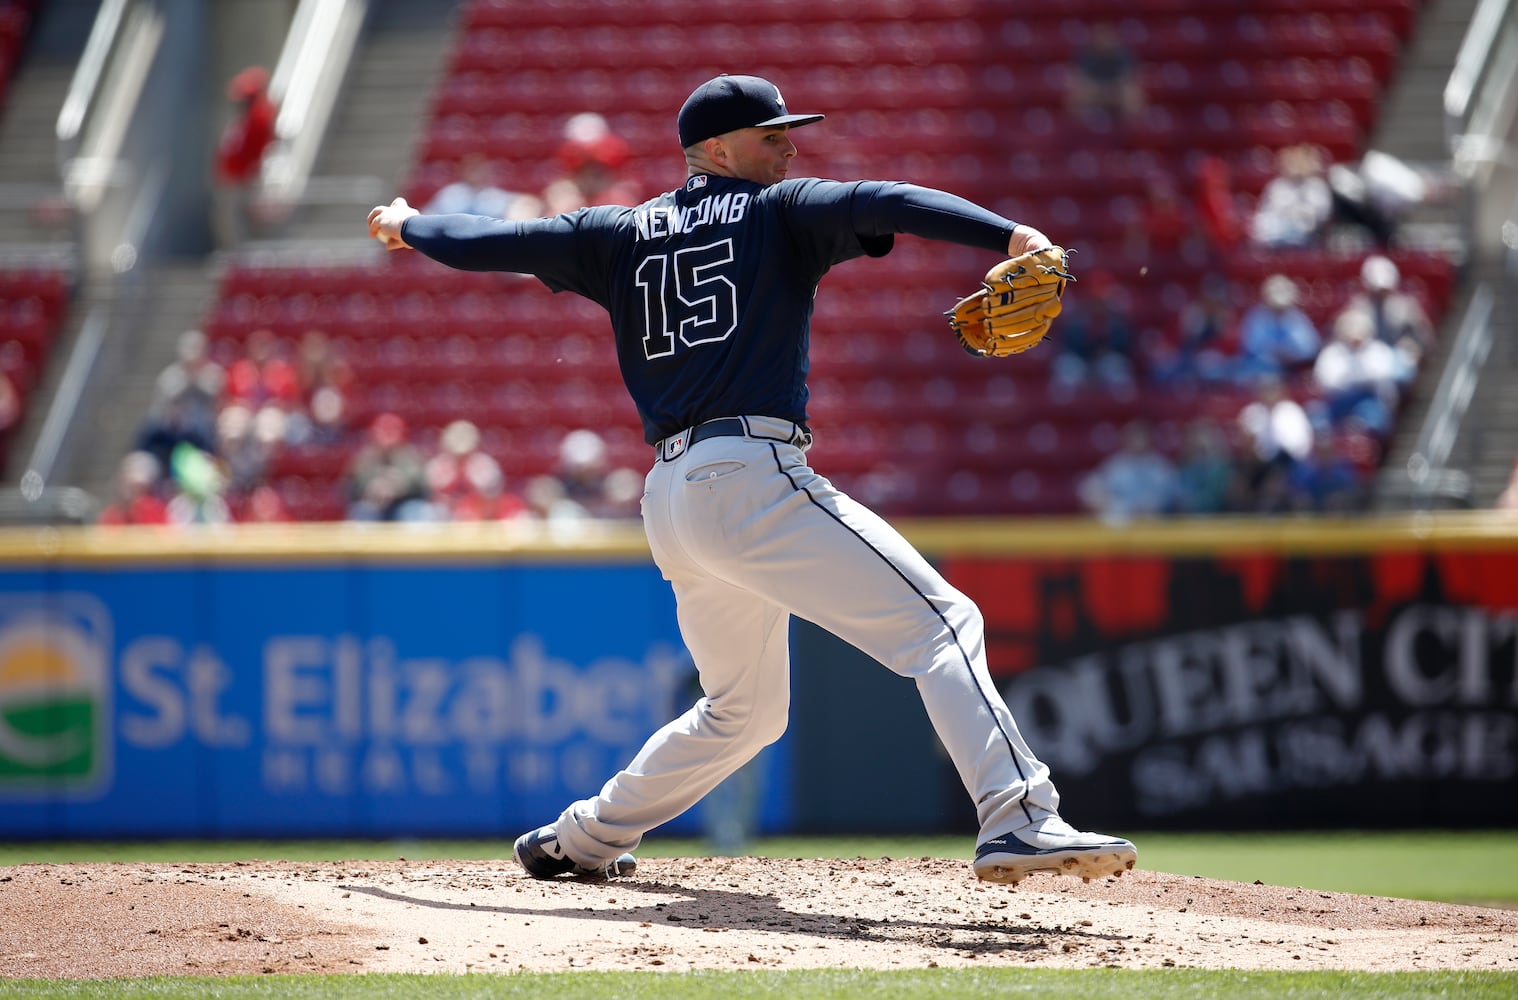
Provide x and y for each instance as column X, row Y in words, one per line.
column 1014, row 310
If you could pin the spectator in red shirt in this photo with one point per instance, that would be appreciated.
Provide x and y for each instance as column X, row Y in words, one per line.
column 466, row 483
column 1165, row 224
column 592, row 159
column 263, row 375
column 1216, row 204
column 137, row 500
column 240, row 153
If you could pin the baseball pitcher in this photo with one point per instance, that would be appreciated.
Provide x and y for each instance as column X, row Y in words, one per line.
column 709, row 288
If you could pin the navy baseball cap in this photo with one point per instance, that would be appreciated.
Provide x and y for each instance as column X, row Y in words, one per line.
column 726, row 103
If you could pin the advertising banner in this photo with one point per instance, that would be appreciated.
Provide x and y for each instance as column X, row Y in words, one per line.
column 1263, row 689
column 327, row 700
column 399, row 685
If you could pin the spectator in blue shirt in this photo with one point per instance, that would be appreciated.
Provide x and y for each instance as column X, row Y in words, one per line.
column 1135, row 481
column 1276, row 338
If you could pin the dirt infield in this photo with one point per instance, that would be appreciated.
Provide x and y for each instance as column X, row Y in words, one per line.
column 104, row 920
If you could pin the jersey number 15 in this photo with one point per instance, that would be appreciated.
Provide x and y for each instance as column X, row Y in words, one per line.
column 687, row 294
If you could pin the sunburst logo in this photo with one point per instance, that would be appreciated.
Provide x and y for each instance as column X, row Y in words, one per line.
column 55, row 704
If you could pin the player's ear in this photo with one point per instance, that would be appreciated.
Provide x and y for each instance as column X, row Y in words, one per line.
column 716, row 150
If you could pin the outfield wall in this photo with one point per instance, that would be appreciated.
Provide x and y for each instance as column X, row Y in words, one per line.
column 348, row 680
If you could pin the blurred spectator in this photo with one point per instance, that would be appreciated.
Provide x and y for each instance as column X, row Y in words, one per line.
column 265, row 506
column 547, row 500
column 1095, row 339
column 1217, row 204
column 583, row 484
column 1104, row 78
column 477, row 193
column 1376, row 193
column 582, row 467
column 1277, row 434
column 1203, row 348
column 263, row 374
column 593, row 159
column 1397, row 317
column 1324, row 482
column 1360, row 377
column 1165, row 224
column 199, row 481
column 244, row 453
column 1207, row 476
column 487, row 498
column 169, row 424
column 323, row 378
column 1276, row 337
column 136, row 500
column 318, row 362
column 268, row 384
column 445, row 469
column 328, row 418
column 1134, row 481
column 588, row 479
column 465, row 483
column 1296, row 204
column 195, row 378
column 386, row 479
column 623, row 495
column 240, row 155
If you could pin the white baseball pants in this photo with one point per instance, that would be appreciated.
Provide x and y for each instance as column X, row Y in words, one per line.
column 748, row 535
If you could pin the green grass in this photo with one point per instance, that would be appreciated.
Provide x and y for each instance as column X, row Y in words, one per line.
column 842, row 984
column 1479, row 866
column 1453, row 866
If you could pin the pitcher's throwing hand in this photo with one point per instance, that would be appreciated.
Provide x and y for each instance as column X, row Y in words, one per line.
column 385, row 223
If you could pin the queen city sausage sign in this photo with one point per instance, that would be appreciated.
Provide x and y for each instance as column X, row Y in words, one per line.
column 1270, row 707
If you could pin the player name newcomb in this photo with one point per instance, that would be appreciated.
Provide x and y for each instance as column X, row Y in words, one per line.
column 675, row 220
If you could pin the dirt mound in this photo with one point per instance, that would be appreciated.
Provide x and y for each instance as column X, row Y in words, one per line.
column 100, row 920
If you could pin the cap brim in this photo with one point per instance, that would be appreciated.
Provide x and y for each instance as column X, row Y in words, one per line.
column 794, row 121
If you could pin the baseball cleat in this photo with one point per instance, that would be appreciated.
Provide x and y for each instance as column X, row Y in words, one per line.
column 1053, row 846
column 540, row 854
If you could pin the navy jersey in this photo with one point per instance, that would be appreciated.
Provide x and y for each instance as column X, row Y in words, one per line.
column 710, row 287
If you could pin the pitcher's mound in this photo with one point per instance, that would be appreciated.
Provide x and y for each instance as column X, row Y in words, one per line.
column 104, row 920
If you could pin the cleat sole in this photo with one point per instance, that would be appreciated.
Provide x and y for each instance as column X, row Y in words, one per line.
column 1086, row 865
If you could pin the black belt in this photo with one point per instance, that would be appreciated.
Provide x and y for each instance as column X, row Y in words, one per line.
column 675, row 445
column 722, row 427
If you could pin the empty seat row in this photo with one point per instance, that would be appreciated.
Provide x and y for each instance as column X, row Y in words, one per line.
column 663, row 51
column 526, row 15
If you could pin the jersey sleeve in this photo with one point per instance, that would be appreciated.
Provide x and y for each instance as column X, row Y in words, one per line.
column 551, row 249
column 883, row 207
column 842, row 220
column 817, row 219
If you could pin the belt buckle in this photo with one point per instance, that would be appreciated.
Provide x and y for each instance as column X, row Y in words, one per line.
column 674, row 446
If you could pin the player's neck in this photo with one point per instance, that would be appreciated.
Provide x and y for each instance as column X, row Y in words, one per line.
column 698, row 162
